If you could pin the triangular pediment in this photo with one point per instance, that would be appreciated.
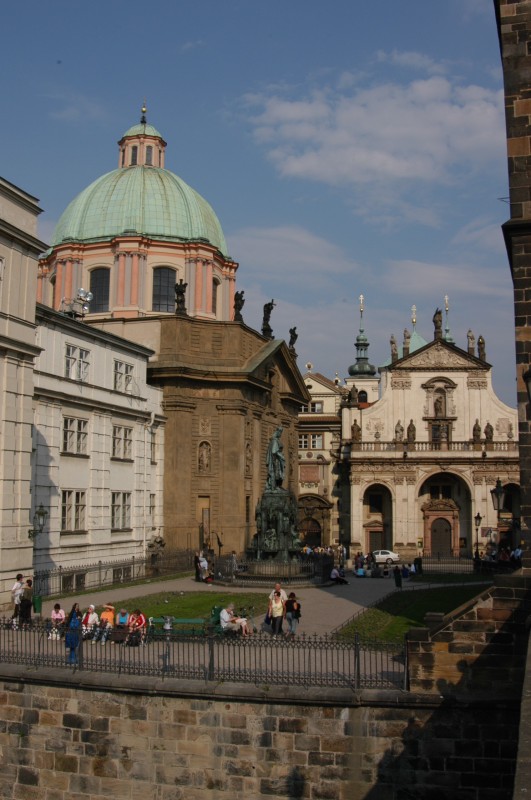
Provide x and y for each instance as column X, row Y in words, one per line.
column 440, row 355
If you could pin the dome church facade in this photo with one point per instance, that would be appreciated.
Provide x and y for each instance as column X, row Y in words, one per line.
column 132, row 235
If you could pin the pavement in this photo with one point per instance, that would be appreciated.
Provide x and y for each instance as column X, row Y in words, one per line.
column 323, row 607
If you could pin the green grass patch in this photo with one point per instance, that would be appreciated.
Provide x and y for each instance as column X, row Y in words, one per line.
column 390, row 619
column 192, row 604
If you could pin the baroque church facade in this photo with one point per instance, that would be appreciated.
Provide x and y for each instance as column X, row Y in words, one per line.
column 137, row 404
column 406, row 460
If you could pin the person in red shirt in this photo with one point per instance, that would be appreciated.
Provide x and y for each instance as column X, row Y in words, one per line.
column 137, row 628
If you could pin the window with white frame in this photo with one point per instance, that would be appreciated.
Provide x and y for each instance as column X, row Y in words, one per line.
column 313, row 408
column 75, row 434
column 76, row 363
column 310, row 441
column 122, row 442
column 73, row 510
column 120, row 510
column 123, row 376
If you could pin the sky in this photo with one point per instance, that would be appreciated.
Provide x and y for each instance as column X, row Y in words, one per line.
column 347, row 148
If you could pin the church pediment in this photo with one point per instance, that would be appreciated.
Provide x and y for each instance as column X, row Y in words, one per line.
column 439, row 355
column 440, row 505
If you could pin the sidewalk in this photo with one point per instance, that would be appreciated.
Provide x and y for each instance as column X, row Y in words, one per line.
column 323, row 608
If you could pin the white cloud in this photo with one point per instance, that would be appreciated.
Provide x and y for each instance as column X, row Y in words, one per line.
column 428, row 130
column 72, row 107
column 191, row 45
column 411, row 60
column 288, row 256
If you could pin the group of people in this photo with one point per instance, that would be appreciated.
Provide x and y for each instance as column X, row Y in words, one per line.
column 202, row 569
column 281, row 606
column 116, row 627
column 22, row 599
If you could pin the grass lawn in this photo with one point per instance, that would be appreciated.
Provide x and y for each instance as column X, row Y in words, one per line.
column 390, row 619
column 192, row 604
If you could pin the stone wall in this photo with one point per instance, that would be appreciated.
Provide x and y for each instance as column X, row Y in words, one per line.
column 98, row 736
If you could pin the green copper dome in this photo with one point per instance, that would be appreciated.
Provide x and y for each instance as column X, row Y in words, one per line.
column 142, row 200
column 142, row 129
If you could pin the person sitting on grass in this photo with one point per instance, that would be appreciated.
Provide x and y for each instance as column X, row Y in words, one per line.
column 229, row 621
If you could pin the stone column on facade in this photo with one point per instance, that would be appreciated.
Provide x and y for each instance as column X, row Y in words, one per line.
column 209, row 286
column 120, row 293
column 134, row 279
column 199, row 284
column 357, row 531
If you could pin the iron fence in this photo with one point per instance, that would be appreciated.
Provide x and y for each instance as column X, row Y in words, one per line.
column 437, row 562
column 307, row 661
column 251, row 572
column 85, row 577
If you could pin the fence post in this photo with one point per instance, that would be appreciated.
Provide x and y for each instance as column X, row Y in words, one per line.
column 357, row 660
column 406, row 665
column 210, row 668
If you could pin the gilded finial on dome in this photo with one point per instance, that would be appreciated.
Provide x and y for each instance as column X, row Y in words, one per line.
column 143, row 120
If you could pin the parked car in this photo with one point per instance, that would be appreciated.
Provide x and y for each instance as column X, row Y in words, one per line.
column 385, row 556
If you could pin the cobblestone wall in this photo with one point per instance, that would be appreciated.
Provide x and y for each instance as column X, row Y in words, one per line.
column 144, row 741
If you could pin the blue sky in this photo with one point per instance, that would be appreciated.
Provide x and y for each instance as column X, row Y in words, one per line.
column 346, row 147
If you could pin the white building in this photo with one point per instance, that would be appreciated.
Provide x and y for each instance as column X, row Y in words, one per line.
column 410, row 457
column 98, row 440
column 19, row 250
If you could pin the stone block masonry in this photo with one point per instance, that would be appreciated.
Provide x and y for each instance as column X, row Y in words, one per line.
column 97, row 736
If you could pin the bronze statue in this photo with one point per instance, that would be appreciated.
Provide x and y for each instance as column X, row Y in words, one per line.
column 266, row 327
column 437, row 323
column 180, row 291
column 276, row 461
column 411, row 432
column 355, row 432
column 238, row 305
column 293, row 336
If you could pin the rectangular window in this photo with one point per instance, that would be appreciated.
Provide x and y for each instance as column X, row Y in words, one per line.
column 153, row 446
column 152, row 510
column 76, row 363
column 121, row 510
column 75, row 433
column 123, row 377
column 303, row 441
column 73, row 510
column 313, row 408
column 317, row 441
column 122, row 442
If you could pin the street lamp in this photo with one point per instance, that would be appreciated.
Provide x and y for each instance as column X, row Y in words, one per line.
column 498, row 500
column 477, row 523
column 39, row 520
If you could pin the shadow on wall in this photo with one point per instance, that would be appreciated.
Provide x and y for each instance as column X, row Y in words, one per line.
column 466, row 749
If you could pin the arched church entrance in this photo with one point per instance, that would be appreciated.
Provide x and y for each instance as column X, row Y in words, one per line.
column 314, row 520
column 377, row 518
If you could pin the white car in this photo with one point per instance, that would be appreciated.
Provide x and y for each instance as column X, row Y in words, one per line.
column 385, row 556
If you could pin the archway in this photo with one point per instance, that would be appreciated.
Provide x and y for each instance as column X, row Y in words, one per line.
column 445, row 503
column 314, row 520
column 310, row 533
column 377, row 518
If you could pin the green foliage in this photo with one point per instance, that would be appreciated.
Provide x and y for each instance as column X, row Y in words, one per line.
column 390, row 619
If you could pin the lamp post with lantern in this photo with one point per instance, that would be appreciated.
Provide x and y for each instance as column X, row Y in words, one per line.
column 477, row 523
column 498, row 501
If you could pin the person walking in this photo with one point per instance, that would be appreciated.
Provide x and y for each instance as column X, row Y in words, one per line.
column 73, row 633
column 277, row 610
column 16, row 591
column 398, row 577
column 26, row 600
column 293, row 613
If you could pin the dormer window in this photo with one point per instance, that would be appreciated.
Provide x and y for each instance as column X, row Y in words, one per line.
column 134, row 155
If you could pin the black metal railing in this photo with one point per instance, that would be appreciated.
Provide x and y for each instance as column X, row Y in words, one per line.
column 252, row 572
column 439, row 562
column 322, row 661
column 85, row 577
